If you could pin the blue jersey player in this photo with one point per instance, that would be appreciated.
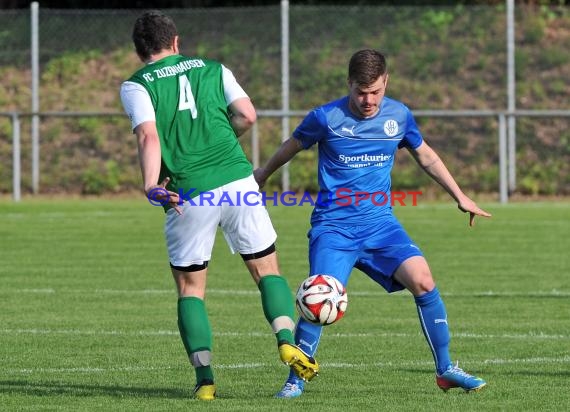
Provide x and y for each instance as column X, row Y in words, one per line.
column 352, row 225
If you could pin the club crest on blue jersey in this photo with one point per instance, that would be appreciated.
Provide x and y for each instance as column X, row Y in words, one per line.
column 391, row 127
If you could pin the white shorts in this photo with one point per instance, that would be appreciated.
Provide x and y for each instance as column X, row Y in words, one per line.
column 237, row 208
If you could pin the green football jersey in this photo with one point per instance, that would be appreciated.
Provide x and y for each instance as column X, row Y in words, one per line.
column 200, row 150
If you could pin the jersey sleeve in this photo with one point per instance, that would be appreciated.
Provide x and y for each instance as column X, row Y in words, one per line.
column 137, row 103
column 232, row 89
column 412, row 138
column 312, row 129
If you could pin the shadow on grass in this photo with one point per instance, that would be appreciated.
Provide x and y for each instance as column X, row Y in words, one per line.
column 509, row 372
column 542, row 373
column 70, row 389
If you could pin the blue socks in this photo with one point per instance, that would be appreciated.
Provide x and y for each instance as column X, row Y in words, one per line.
column 307, row 337
column 433, row 319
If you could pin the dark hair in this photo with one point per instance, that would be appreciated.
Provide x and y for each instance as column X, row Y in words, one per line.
column 366, row 66
column 152, row 33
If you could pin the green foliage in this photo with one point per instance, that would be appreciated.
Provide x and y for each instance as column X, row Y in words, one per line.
column 437, row 22
column 521, row 65
column 534, row 29
column 68, row 66
column 454, row 59
column 442, row 57
column 558, row 86
column 538, row 178
column 407, row 176
column 97, row 180
column 553, row 57
column 6, row 130
column 538, row 91
column 90, row 130
column 303, row 171
column 52, row 133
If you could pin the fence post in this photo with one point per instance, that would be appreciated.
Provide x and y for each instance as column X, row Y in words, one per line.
column 16, row 156
column 255, row 145
column 511, row 91
column 503, row 187
column 285, row 86
column 34, row 10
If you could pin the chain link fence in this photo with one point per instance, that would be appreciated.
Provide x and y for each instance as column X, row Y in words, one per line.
column 439, row 58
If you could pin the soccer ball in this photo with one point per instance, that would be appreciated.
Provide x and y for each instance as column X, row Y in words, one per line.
column 321, row 299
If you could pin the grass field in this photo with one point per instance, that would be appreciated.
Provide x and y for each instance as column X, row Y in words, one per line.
column 88, row 315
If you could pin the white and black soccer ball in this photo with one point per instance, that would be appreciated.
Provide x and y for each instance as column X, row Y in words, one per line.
column 321, row 299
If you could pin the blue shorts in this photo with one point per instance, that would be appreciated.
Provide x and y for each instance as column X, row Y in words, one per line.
column 377, row 250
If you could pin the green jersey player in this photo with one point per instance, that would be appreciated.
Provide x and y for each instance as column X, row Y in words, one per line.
column 187, row 114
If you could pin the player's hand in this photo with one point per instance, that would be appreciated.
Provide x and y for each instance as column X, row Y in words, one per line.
column 469, row 206
column 159, row 195
column 259, row 176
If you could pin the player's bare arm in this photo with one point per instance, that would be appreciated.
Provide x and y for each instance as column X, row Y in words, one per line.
column 242, row 115
column 288, row 149
column 432, row 164
column 150, row 161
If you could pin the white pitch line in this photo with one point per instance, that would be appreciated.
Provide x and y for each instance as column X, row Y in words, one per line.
column 42, row 291
column 332, row 365
column 508, row 336
column 254, row 292
column 564, row 359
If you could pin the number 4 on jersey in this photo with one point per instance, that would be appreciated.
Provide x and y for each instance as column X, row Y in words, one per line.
column 186, row 101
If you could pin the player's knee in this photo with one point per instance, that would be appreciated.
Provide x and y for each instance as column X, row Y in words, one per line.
column 423, row 284
column 419, row 281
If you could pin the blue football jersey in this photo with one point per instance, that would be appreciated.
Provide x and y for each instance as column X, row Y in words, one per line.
column 356, row 157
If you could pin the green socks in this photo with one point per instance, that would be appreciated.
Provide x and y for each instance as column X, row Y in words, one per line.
column 278, row 306
column 196, row 335
column 196, row 332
